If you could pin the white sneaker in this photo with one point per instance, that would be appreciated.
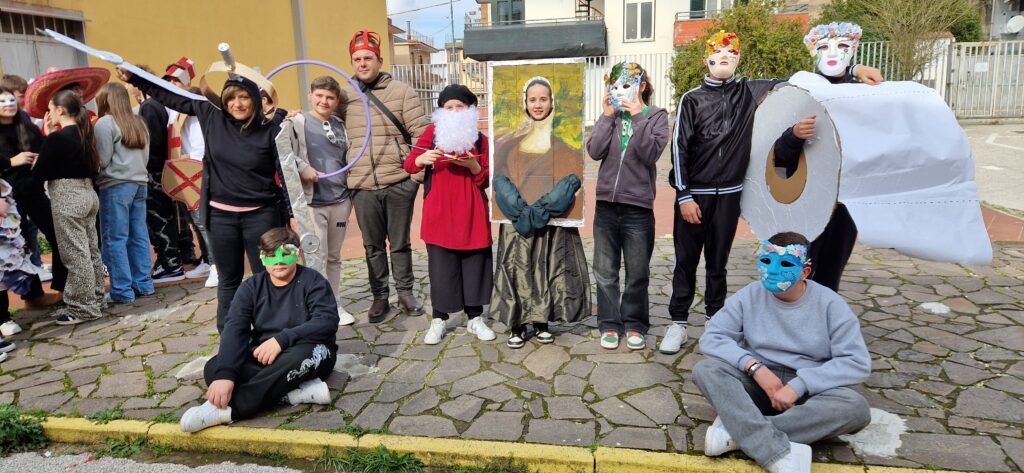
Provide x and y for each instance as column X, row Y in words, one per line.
column 313, row 391
column 200, row 271
column 212, row 281
column 717, row 440
column 344, row 317
column 44, row 275
column 204, row 416
column 478, row 327
column 9, row 328
column 435, row 333
column 3, row 357
column 797, row 461
column 673, row 340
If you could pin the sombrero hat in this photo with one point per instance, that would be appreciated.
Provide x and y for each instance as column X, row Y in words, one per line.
column 43, row 88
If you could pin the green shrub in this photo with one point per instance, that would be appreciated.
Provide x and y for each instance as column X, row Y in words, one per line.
column 18, row 432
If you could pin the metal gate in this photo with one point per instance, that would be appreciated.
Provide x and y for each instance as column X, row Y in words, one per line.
column 987, row 79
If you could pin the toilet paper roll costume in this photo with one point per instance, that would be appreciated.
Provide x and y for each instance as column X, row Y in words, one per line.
column 907, row 176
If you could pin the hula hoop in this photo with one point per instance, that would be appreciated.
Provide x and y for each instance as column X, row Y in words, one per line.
column 362, row 96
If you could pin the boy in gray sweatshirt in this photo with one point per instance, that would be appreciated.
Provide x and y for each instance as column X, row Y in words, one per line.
column 782, row 354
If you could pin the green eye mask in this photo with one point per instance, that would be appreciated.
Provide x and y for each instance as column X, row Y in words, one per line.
column 287, row 254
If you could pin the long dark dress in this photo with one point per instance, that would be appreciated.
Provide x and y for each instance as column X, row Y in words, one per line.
column 542, row 276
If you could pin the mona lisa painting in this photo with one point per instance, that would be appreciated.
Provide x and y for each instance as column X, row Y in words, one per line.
column 536, row 117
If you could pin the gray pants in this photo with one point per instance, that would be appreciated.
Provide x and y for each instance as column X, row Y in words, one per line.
column 764, row 433
column 331, row 222
column 75, row 205
column 386, row 214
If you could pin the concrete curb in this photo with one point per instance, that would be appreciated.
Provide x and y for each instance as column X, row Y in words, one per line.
column 435, row 452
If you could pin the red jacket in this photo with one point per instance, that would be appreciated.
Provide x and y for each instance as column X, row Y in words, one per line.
column 454, row 212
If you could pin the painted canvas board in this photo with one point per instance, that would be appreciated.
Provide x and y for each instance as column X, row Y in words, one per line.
column 536, row 121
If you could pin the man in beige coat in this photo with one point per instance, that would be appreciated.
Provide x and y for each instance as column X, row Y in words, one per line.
column 382, row 192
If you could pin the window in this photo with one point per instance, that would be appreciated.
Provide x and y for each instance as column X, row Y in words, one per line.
column 697, row 9
column 22, row 24
column 504, row 12
column 639, row 20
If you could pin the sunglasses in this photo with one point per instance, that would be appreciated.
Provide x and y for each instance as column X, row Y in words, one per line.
column 330, row 133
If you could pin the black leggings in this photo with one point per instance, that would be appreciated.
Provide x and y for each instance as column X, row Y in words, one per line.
column 235, row 236
column 259, row 387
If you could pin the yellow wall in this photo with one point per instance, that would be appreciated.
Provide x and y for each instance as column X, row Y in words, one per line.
column 260, row 33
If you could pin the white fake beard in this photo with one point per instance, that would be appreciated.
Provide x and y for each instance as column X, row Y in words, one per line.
column 455, row 132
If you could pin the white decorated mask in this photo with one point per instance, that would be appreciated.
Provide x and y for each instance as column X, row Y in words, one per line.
column 624, row 83
column 722, row 54
column 833, row 46
column 8, row 100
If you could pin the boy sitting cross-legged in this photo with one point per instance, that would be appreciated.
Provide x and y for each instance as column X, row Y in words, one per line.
column 782, row 354
column 278, row 342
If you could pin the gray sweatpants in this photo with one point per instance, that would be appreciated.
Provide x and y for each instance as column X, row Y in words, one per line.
column 764, row 433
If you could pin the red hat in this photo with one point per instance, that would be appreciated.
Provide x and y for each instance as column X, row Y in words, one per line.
column 44, row 87
column 365, row 40
column 183, row 70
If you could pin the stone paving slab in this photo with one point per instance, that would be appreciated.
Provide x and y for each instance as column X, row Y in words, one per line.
column 947, row 343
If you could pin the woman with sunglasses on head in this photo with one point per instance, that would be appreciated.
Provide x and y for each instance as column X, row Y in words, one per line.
column 240, row 196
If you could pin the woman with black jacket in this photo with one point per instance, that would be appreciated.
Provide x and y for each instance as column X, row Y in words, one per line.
column 19, row 144
column 240, row 197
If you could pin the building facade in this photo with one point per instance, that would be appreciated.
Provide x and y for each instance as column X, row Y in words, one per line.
column 263, row 35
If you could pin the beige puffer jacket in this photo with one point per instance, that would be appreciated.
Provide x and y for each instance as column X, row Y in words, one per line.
column 381, row 164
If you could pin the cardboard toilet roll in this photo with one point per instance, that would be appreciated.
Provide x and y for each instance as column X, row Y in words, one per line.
column 803, row 202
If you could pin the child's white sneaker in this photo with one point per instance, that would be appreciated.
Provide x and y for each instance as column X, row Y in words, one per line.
column 478, row 327
column 717, row 440
column 314, row 391
column 201, row 417
column 212, row 280
column 344, row 317
column 435, row 333
column 798, row 460
column 9, row 328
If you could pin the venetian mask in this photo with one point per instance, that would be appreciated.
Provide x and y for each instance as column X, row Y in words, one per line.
column 833, row 46
column 286, row 254
column 8, row 100
column 780, row 267
column 624, row 83
column 722, row 54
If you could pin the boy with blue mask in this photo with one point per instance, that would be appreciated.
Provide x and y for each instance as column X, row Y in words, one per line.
column 782, row 355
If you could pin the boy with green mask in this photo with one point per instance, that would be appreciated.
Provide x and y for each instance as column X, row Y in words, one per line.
column 278, row 340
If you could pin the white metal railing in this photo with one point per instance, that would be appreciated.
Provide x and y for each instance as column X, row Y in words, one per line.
column 977, row 80
column 987, row 79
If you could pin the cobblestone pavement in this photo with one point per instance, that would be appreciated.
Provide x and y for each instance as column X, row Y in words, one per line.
column 956, row 379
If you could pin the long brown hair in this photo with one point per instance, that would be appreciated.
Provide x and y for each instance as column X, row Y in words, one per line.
column 72, row 103
column 231, row 92
column 113, row 100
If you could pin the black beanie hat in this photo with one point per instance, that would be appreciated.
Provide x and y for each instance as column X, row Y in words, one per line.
column 458, row 92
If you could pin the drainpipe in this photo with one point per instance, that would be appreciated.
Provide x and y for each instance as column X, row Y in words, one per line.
column 299, row 33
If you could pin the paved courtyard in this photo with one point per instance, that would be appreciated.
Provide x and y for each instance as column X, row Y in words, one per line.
column 953, row 372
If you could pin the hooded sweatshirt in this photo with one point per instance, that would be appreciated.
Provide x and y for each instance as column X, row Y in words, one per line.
column 630, row 176
column 240, row 162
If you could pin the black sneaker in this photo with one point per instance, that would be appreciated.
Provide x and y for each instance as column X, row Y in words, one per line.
column 168, row 275
column 6, row 346
column 67, row 318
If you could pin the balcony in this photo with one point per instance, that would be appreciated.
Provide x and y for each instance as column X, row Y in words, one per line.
column 691, row 25
column 536, row 39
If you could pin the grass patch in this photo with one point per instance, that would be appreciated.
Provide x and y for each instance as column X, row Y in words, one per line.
column 505, row 465
column 106, row 415
column 19, row 432
column 160, row 449
column 44, row 245
column 69, row 387
column 123, row 447
column 358, row 431
column 150, row 377
column 166, row 418
column 275, row 458
column 379, row 460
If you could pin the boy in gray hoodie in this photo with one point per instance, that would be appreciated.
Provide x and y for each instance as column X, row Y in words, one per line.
column 628, row 139
column 782, row 354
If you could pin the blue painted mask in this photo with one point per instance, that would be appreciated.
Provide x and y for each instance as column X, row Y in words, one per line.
column 780, row 266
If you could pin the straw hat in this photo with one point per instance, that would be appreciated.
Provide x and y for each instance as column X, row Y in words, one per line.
column 43, row 88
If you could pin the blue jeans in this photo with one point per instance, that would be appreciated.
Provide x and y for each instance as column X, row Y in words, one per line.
column 623, row 234
column 126, row 240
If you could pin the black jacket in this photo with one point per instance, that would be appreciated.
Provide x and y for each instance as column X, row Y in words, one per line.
column 240, row 164
column 711, row 141
column 20, row 177
column 156, row 118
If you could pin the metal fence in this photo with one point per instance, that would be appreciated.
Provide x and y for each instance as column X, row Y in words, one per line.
column 977, row 80
column 987, row 79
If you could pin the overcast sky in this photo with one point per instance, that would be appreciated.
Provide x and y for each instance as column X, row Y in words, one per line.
column 433, row 21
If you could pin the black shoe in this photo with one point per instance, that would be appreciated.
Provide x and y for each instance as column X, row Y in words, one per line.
column 378, row 311
column 410, row 305
column 168, row 275
column 6, row 346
